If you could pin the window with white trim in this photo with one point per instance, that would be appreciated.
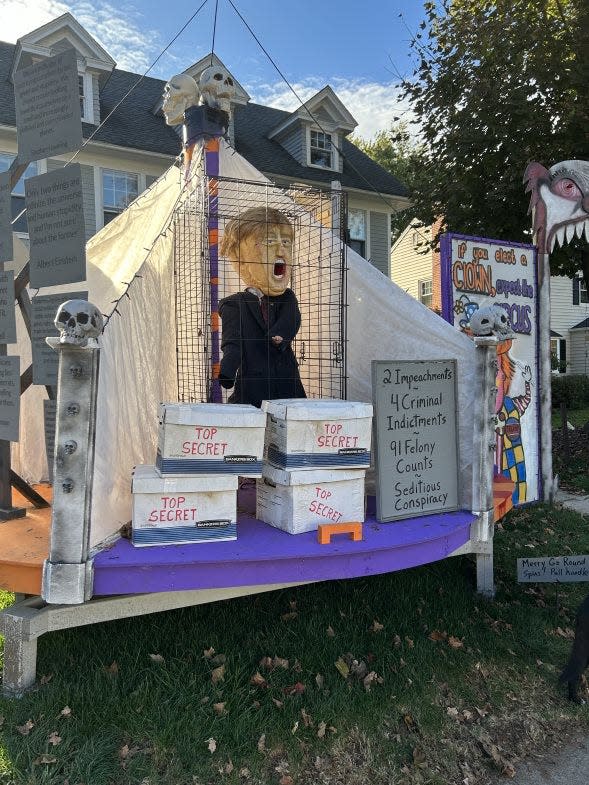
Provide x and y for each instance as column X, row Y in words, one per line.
column 321, row 150
column 357, row 230
column 583, row 296
column 18, row 192
column 426, row 292
column 119, row 189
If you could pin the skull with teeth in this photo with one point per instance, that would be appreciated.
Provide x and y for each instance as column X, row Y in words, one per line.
column 79, row 323
column 179, row 93
column 217, row 88
column 491, row 320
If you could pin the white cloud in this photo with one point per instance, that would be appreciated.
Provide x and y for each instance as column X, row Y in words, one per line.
column 119, row 31
column 373, row 105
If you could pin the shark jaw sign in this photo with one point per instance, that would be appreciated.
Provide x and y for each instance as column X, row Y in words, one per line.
column 559, row 202
column 560, row 211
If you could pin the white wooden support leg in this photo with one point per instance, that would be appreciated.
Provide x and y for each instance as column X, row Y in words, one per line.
column 485, row 583
column 20, row 654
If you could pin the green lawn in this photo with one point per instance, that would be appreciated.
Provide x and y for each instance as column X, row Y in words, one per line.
column 404, row 678
column 576, row 417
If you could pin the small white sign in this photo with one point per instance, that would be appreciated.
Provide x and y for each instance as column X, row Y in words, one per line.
column 553, row 569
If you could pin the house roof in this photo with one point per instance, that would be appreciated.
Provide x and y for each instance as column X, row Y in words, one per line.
column 134, row 126
column 582, row 325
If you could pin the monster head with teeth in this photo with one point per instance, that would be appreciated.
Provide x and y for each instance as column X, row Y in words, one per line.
column 559, row 202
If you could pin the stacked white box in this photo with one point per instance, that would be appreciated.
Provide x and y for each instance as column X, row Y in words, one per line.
column 298, row 501
column 174, row 510
column 311, row 433
column 316, row 452
column 210, row 438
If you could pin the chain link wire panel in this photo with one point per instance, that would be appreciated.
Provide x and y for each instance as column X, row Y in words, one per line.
column 318, row 279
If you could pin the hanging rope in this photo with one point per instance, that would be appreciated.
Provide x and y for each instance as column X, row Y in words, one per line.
column 214, row 30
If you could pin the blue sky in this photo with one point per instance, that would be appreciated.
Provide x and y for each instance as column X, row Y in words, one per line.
column 358, row 48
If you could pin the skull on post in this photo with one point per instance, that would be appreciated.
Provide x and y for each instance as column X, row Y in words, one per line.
column 79, row 323
column 217, row 88
column 179, row 93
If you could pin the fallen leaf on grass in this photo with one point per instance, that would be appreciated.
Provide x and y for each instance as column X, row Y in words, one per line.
column 258, row 680
column 280, row 662
column 208, row 653
column 45, row 759
column 211, row 745
column 277, row 703
column 113, row 668
column 228, row 767
column 376, row 626
column 219, row 709
column 410, row 642
column 289, row 616
column 397, row 641
column 66, row 712
column 25, row 729
column 218, row 674
column 307, row 719
column 419, row 757
column 54, row 738
column 342, row 667
column 46, row 679
column 157, row 658
column 295, row 728
column 452, row 711
column 294, row 689
column 319, row 681
column 330, row 632
column 321, row 729
column 436, row 635
column 266, row 663
column 286, row 779
column 262, row 743
column 567, row 633
column 455, row 643
column 219, row 659
column 369, row 680
column 244, row 773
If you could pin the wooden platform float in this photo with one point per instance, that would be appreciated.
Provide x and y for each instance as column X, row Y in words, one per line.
column 264, row 555
column 260, row 555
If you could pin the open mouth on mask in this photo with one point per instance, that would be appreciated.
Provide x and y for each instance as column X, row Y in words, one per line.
column 279, row 268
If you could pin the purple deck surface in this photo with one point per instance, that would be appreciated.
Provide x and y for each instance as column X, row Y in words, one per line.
column 264, row 555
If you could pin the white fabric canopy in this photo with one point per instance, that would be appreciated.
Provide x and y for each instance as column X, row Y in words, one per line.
column 138, row 357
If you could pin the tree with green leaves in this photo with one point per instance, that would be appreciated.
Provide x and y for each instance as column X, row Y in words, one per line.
column 497, row 85
column 397, row 152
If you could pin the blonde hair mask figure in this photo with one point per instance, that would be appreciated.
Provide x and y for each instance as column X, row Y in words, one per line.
column 260, row 323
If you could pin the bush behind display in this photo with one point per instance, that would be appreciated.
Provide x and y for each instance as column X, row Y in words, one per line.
column 572, row 390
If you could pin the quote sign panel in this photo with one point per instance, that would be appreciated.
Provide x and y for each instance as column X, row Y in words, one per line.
column 9, row 398
column 477, row 272
column 6, row 249
column 47, row 102
column 57, row 232
column 49, row 418
column 43, row 311
column 416, row 435
column 7, row 312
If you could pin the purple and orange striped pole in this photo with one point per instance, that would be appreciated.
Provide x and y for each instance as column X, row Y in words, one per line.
column 212, row 173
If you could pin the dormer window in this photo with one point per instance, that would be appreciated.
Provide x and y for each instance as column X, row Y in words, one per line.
column 86, row 97
column 321, row 151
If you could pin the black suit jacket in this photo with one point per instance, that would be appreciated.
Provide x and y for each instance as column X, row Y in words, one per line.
column 259, row 369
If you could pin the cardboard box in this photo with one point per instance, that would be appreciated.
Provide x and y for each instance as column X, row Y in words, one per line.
column 318, row 433
column 210, row 438
column 298, row 501
column 173, row 510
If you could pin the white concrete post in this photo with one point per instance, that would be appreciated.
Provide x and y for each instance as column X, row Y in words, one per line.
column 67, row 573
column 483, row 447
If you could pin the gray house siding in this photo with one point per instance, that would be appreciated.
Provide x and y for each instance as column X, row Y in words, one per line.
column 294, row 144
column 379, row 241
column 87, row 194
column 96, row 99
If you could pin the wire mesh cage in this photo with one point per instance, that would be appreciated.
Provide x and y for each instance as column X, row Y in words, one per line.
column 316, row 219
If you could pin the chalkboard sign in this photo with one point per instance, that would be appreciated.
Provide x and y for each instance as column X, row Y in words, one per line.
column 416, row 437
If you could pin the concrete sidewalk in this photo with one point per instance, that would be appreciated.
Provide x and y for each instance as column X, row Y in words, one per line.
column 573, row 501
column 567, row 766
